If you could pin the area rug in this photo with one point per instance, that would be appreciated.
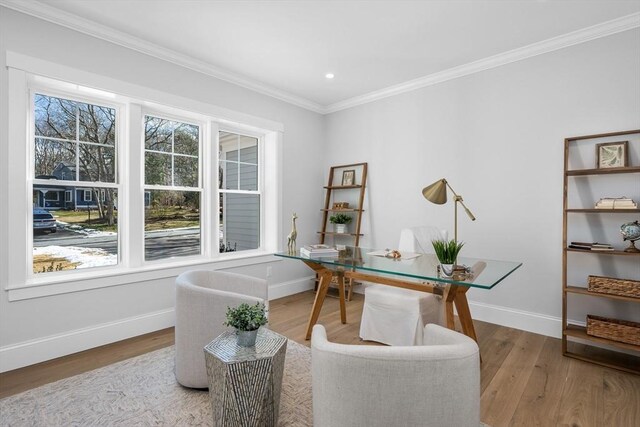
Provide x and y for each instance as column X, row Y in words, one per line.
column 142, row 391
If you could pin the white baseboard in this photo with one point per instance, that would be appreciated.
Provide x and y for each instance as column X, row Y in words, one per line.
column 39, row 350
column 291, row 287
column 519, row 319
column 42, row 349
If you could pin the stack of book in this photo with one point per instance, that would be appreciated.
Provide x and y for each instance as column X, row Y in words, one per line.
column 318, row 251
column 616, row 203
column 591, row 246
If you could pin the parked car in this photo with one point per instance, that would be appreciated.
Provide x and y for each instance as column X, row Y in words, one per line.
column 43, row 221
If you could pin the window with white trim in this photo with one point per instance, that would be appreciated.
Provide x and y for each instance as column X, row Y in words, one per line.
column 93, row 145
column 238, row 183
column 74, row 142
column 172, row 180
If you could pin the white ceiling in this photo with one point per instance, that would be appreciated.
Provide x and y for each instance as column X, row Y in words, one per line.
column 289, row 46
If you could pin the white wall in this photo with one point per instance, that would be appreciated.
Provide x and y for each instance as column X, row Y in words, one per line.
column 36, row 329
column 497, row 136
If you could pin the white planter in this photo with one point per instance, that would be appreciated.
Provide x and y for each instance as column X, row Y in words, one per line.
column 341, row 228
column 447, row 269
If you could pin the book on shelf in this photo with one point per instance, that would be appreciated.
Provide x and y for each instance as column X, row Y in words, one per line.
column 319, row 251
column 616, row 203
column 591, row 246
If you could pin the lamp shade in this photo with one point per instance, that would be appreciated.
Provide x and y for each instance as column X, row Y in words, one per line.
column 436, row 192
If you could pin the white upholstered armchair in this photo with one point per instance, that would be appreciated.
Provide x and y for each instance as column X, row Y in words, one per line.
column 202, row 298
column 433, row 385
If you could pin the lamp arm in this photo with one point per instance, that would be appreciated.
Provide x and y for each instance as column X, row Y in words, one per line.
column 458, row 199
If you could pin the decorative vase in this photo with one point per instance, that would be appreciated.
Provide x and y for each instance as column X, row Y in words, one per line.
column 246, row 338
column 447, row 269
column 341, row 228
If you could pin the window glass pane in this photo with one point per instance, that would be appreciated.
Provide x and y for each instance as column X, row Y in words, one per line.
column 157, row 134
column 228, row 175
column 157, row 169
column 248, row 177
column 69, row 236
column 55, row 117
column 97, row 124
column 185, row 171
column 186, row 138
column 172, row 224
column 55, row 159
column 249, row 150
column 97, row 163
column 228, row 142
column 240, row 223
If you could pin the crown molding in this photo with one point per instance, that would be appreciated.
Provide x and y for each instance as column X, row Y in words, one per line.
column 604, row 29
column 49, row 13
column 46, row 12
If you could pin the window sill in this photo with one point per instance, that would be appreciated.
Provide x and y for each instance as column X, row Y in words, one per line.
column 91, row 279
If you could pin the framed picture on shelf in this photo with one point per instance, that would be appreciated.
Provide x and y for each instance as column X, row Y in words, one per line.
column 348, row 177
column 612, row 155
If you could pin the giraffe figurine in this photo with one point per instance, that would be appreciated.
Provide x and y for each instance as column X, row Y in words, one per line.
column 291, row 238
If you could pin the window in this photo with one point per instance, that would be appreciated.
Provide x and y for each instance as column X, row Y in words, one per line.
column 75, row 143
column 172, row 180
column 238, row 182
column 52, row 196
column 74, row 165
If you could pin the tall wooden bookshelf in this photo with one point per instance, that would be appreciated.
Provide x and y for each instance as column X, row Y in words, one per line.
column 584, row 184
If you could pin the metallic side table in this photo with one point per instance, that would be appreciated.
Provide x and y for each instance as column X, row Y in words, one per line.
column 245, row 382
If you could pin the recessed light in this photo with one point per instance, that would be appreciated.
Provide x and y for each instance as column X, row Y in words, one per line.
column 329, row 75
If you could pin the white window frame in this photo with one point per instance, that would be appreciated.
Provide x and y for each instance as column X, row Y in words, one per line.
column 23, row 72
column 87, row 195
column 68, row 196
column 202, row 124
column 260, row 191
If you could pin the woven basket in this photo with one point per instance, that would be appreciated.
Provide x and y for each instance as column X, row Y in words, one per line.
column 610, row 285
column 613, row 329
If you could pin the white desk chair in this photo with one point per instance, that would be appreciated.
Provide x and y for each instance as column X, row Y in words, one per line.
column 397, row 316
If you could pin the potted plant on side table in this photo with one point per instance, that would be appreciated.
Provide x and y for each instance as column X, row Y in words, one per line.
column 340, row 220
column 447, row 253
column 247, row 319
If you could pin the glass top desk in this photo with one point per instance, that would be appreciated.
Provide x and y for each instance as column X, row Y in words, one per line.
column 420, row 274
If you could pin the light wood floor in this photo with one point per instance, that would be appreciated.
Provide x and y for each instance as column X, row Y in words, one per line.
column 525, row 380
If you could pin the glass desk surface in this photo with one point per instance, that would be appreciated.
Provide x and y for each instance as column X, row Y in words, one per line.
column 485, row 273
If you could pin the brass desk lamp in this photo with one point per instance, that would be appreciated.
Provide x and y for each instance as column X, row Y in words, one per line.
column 437, row 193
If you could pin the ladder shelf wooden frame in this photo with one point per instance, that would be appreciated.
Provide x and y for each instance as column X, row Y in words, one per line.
column 576, row 331
column 357, row 210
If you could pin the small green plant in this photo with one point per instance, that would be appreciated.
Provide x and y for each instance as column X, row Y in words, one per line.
column 340, row 218
column 447, row 250
column 246, row 317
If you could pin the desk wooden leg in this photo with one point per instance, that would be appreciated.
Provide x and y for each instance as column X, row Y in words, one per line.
column 449, row 299
column 462, row 305
column 343, row 308
column 323, row 286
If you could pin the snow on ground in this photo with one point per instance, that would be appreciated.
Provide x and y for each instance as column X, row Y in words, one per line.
column 90, row 232
column 86, row 257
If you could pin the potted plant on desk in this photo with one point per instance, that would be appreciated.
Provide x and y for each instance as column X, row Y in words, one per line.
column 447, row 253
column 247, row 319
column 340, row 220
